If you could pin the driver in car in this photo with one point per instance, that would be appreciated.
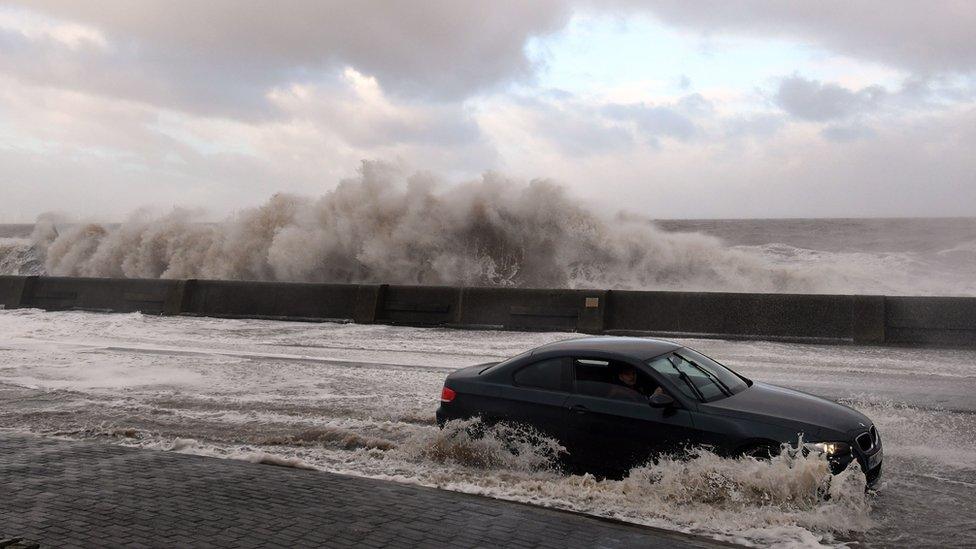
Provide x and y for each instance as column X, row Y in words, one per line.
column 626, row 386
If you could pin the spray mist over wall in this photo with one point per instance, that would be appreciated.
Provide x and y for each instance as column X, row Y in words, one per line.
column 386, row 226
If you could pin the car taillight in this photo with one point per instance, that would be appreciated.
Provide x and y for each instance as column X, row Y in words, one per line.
column 447, row 395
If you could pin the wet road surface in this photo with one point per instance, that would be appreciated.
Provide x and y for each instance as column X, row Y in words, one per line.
column 360, row 400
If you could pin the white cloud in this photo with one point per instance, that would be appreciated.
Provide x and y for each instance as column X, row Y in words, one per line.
column 357, row 108
column 35, row 28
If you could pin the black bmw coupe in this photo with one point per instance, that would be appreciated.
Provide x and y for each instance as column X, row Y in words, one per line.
column 615, row 402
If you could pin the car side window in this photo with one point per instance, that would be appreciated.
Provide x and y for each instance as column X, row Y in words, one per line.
column 612, row 379
column 545, row 374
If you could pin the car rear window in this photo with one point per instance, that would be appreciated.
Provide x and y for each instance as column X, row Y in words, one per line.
column 545, row 374
column 507, row 362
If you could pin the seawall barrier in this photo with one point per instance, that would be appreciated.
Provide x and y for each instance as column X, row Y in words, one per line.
column 859, row 319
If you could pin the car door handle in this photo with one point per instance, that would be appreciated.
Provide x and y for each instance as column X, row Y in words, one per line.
column 579, row 409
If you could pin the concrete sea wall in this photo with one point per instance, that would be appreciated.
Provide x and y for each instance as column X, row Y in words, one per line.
column 934, row 321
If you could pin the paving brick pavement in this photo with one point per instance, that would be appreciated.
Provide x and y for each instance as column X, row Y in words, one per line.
column 88, row 494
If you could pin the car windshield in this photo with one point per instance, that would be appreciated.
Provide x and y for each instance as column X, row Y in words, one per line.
column 698, row 376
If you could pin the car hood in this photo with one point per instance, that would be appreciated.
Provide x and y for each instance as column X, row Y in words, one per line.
column 792, row 409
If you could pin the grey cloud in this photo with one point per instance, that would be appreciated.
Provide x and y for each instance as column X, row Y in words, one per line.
column 654, row 121
column 695, row 104
column 191, row 85
column 918, row 35
column 757, row 124
column 849, row 132
column 437, row 49
column 445, row 127
column 575, row 128
column 938, row 91
column 368, row 125
column 914, row 166
column 219, row 57
column 579, row 128
column 817, row 101
column 579, row 136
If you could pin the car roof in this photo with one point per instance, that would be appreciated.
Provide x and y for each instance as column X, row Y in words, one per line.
column 640, row 348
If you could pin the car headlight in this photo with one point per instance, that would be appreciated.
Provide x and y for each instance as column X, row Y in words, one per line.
column 830, row 448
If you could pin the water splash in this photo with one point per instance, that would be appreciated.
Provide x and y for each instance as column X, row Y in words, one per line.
column 19, row 257
column 470, row 443
column 386, row 226
column 791, row 499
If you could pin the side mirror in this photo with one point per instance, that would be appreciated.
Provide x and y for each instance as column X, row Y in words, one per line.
column 661, row 401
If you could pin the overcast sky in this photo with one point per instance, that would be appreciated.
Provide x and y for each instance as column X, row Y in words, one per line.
column 664, row 108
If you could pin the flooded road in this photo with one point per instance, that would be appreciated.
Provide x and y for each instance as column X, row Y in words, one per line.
column 360, row 399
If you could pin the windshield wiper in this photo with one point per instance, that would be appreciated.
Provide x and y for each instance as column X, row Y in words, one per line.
column 711, row 376
column 684, row 377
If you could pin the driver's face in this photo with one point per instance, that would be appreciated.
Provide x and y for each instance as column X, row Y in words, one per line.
column 628, row 376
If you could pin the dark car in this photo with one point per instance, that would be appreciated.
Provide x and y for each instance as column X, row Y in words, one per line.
column 615, row 402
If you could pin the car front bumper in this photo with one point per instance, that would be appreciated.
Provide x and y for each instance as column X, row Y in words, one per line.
column 870, row 463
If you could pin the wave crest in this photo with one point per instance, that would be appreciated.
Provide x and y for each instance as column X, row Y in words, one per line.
column 386, row 226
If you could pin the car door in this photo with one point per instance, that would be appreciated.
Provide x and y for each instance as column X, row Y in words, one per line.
column 719, row 432
column 611, row 430
column 537, row 397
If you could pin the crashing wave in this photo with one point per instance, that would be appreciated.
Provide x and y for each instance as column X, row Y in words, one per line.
column 385, row 226
column 19, row 257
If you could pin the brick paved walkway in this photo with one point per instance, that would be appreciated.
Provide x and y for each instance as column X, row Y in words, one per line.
column 89, row 494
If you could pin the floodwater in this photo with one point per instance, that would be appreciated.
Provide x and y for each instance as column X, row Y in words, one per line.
column 360, row 399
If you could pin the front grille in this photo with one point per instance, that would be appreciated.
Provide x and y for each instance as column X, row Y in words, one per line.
column 865, row 441
column 874, row 436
